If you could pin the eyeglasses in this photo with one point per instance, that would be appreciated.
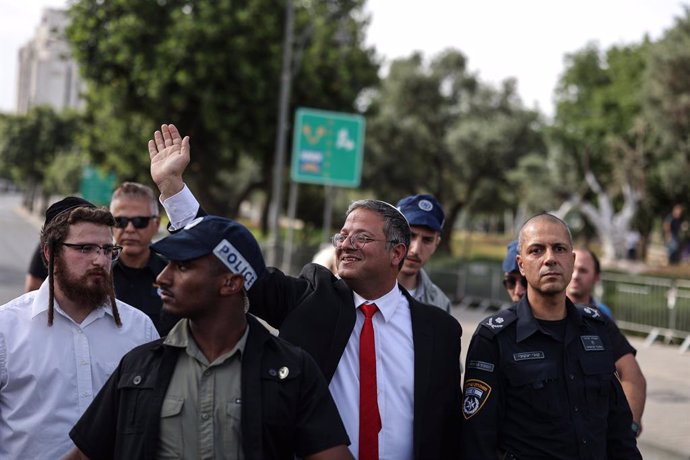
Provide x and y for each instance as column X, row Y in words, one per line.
column 511, row 281
column 108, row 250
column 138, row 221
column 357, row 240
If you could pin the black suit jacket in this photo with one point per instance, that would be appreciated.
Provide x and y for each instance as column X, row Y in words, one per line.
column 316, row 312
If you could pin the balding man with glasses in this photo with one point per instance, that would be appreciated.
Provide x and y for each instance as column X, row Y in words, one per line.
column 60, row 343
column 392, row 363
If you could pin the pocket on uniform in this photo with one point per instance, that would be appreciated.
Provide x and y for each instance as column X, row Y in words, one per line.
column 232, row 431
column 171, row 443
column 598, row 372
column 538, row 384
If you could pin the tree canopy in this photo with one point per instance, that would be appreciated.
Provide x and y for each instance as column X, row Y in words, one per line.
column 436, row 128
column 213, row 69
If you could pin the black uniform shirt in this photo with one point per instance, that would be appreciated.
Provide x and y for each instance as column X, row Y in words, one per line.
column 137, row 287
column 535, row 393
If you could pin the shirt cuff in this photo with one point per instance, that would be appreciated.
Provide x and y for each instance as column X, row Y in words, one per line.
column 181, row 208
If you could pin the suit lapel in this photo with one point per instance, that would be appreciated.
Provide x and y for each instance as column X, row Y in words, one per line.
column 422, row 336
column 343, row 326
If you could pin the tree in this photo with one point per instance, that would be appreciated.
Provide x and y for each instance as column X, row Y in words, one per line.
column 213, row 69
column 666, row 91
column 600, row 143
column 436, row 128
column 31, row 143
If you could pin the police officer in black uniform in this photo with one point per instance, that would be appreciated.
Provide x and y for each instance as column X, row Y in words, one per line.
column 539, row 381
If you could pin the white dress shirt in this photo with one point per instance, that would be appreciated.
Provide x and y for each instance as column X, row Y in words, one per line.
column 394, row 376
column 49, row 375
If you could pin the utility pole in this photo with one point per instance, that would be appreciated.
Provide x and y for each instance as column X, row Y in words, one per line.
column 281, row 135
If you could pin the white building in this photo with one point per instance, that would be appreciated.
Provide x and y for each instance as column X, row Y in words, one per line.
column 47, row 73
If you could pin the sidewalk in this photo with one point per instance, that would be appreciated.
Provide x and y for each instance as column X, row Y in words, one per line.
column 666, row 419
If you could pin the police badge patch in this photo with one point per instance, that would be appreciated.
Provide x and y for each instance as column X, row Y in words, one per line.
column 476, row 394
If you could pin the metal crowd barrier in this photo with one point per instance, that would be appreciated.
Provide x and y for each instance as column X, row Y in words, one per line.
column 657, row 307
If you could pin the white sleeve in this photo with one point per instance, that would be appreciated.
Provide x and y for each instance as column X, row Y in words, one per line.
column 181, row 208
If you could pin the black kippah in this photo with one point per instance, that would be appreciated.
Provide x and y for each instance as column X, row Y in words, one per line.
column 65, row 204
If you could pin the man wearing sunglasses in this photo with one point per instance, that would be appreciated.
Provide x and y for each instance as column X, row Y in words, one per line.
column 513, row 281
column 60, row 343
column 135, row 209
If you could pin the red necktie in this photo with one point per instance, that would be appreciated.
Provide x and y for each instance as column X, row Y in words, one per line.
column 369, row 417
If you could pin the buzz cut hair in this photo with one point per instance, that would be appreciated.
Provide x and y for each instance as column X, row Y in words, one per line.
column 544, row 216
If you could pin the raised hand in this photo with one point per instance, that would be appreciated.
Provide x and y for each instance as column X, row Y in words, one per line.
column 169, row 155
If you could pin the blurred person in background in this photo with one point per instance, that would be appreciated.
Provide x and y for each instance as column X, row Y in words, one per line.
column 426, row 218
column 586, row 275
column 513, row 281
column 135, row 209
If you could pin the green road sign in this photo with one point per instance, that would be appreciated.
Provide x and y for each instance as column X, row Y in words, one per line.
column 96, row 186
column 327, row 148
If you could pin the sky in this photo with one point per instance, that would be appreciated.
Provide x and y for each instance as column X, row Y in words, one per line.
column 525, row 39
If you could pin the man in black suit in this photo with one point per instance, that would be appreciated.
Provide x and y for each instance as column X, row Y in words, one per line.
column 415, row 386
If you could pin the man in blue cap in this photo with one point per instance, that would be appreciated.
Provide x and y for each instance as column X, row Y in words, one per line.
column 219, row 385
column 426, row 217
column 513, row 281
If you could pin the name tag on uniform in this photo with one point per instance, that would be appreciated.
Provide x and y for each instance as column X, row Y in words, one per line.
column 481, row 365
column 528, row 355
column 592, row 343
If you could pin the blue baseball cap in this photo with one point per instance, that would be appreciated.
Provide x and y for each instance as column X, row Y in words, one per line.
column 509, row 263
column 423, row 210
column 231, row 242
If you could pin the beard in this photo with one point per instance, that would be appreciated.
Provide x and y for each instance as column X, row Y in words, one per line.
column 82, row 289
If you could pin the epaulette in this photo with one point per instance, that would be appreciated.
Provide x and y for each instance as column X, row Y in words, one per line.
column 493, row 325
column 588, row 311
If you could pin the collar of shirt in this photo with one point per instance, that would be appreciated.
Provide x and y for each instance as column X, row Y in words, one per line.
column 387, row 304
column 527, row 324
column 40, row 305
column 180, row 337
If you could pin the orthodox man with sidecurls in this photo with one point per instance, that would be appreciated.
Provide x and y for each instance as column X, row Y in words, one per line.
column 59, row 344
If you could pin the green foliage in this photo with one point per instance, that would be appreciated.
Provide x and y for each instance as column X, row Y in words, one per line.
column 213, row 69
column 667, row 109
column 31, row 143
column 598, row 101
column 436, row 128
column 63, row 175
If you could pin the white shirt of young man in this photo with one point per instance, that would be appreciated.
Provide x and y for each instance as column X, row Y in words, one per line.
column 394, row 376
column 50, row 375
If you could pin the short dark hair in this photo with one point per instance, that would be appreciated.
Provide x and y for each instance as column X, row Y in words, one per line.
column 395, row 226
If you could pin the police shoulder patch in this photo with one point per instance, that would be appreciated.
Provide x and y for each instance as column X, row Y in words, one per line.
column 588, row 311
column 475, row 395
column 498, row 322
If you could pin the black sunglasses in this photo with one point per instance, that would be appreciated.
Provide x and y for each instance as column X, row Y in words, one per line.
column 138, row 221
column 510, row 281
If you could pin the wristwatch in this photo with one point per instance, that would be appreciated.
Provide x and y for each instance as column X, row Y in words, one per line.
column 636, row 428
